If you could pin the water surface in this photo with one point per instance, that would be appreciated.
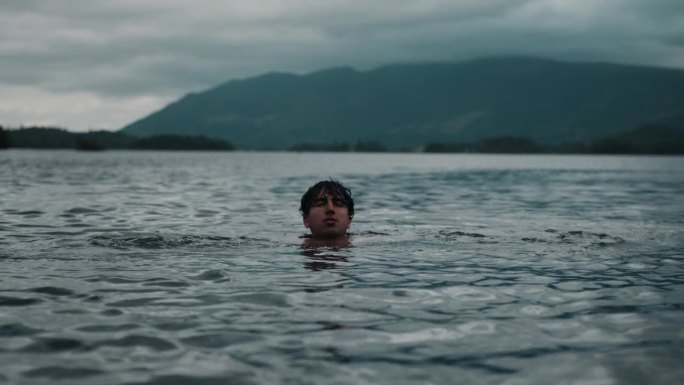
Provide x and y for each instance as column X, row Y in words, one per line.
column 178, row 268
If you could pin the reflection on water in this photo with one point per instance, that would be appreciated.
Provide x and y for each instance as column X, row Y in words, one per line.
column 163, row 268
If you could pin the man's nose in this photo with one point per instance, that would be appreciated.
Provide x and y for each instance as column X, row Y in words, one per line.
column 330, row 206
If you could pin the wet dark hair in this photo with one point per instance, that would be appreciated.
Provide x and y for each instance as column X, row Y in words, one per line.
column 331, row 186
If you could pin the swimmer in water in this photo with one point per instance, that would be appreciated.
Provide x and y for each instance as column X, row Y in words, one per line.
column 327, row 210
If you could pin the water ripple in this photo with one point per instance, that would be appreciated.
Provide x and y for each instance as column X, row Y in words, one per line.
column 16, row 301
column 61, row 373
column 117, row 268
column 149, row 342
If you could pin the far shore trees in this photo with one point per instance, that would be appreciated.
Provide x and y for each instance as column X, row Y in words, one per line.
column 4, row 139
column 653, row 138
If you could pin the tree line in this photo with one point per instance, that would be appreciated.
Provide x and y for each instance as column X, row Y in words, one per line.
column 56, row 138
column 647, row 139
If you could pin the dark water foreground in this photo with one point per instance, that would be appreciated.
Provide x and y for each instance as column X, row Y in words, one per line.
column 168, row 268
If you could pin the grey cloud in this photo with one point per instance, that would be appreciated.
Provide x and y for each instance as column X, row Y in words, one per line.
column 128, row 48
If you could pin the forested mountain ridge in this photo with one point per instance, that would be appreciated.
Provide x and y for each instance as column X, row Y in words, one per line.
column 407, row 106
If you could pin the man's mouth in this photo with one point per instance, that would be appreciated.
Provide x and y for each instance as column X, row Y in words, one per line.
column 330, row 221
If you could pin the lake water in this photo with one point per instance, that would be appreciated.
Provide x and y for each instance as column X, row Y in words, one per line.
column 187, row 268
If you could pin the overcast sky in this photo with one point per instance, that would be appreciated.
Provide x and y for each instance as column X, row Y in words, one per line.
column 84, row 64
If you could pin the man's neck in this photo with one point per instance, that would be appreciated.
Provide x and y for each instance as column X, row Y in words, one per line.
column 343, row 241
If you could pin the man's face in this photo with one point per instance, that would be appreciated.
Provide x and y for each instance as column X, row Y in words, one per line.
column 328, row 217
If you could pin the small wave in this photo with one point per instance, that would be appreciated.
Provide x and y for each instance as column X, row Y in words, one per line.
column 58, row 372
column 14, row 301
column 218, row 340
column 26, row 213
column 369, row 233
column 107, row 328
column 210, row 275
column 242, row 379
column 461, row 234
column 139, row 241
column 167, row 283
column 465, row 293
column 585, row 238
column 599, row 239
column 33, row 226
column 111, row 312
column 17, row 329
column 264, row 299
column 158, row 241
column 454, row 236
column 51, row 290
column 175, row 326
column 135, row 302
column 50, row 345
column 151, row 241
column 153, row 343
column 432, row 334
column 80, row 210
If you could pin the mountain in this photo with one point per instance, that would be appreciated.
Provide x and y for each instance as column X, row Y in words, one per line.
column 407, row 106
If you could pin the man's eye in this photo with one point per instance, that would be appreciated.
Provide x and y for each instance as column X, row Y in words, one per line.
column 338, row 202
column 319, row 202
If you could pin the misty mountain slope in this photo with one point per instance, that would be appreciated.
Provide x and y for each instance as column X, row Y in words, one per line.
column 410, row 105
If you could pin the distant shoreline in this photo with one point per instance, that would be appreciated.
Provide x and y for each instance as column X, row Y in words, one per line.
column 653, row 139
column 409, row 153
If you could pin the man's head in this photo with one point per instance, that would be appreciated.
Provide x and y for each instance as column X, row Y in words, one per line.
column 327, row 209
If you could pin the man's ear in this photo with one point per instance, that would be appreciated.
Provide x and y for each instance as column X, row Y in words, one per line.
column 305, row 219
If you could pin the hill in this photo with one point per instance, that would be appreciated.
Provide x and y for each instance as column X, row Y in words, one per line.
column 407, row 106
